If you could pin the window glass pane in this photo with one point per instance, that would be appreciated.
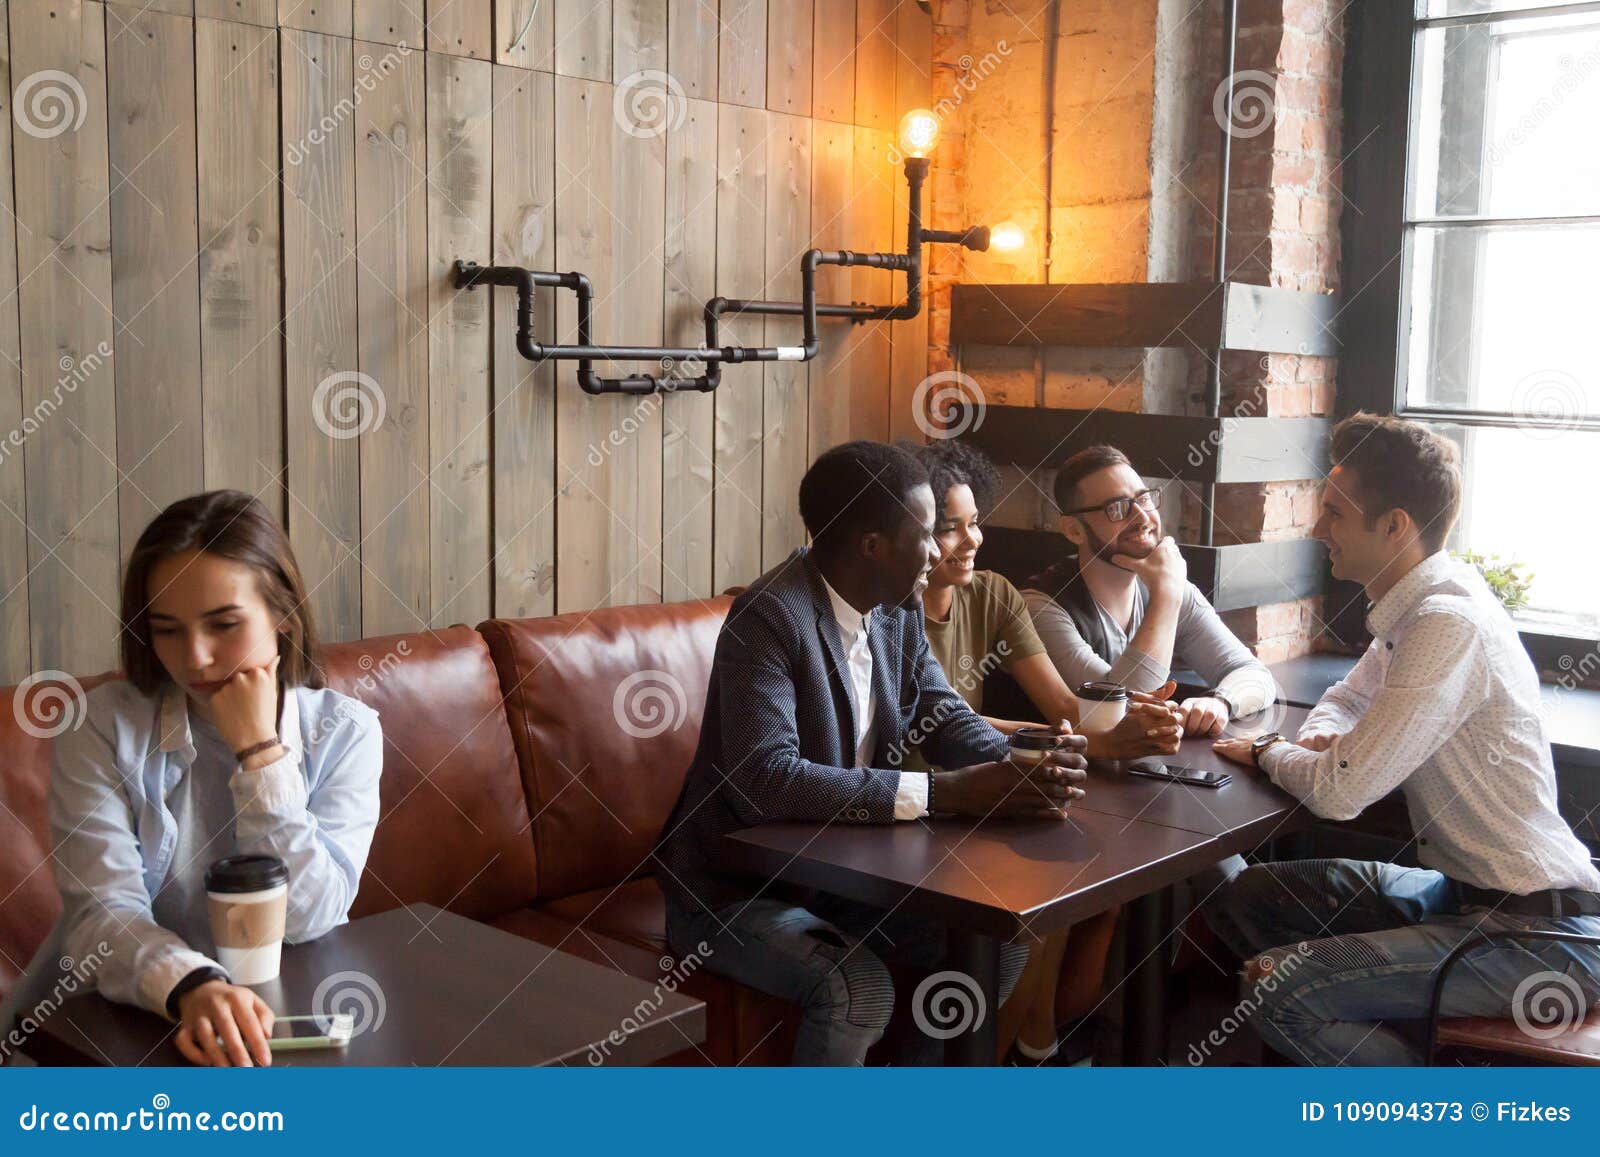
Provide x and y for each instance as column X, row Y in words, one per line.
column 1503, row 319
column 1432, row 8
column 1505, row 119
column 1520, row 486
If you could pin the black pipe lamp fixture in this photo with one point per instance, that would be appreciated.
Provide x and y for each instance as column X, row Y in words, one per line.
column 919, row 132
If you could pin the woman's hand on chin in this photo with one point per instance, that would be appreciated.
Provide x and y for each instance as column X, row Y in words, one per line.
column 245, row 708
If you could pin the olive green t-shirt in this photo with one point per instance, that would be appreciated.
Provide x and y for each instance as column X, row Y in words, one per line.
column 989, row 627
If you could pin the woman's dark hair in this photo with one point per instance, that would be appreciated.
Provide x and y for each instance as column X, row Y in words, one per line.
column 858, row 488
column 951, row 463
column 232, row 525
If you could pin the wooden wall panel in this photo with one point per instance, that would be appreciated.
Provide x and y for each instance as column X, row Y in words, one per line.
column 583, row 38
column 524, row 401
column 392, row 312
column 688, row 466
column 875, row 63
column 460, row 184
column 833, row 61
column 784, row 410
column 14, row 648
column 639, row 211
column 525, row 34
column 692, row 46
column 461, row 27
column 154, row 278
column 64, row 302
column 262, row 13
column 872, row 228
column 639, row 38
column 241, row 265
column 589, row 567
column 334, row 17
column 741, row 272
column 390, row 22
column 908, row 357
column 789, row 66
column 742, row 53
column 327, row 405
column 832, row 227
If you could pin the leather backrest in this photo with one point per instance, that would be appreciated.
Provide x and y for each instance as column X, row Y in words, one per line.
column 604, row 708
column 29, row 902
column 454, row 826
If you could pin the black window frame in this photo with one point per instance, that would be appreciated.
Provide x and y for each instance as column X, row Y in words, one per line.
column 1379, row 45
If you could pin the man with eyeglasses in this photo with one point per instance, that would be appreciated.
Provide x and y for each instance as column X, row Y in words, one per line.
column 1123, row 611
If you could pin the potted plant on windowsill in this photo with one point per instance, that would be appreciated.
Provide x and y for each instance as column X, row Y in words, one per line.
column 1508, row 579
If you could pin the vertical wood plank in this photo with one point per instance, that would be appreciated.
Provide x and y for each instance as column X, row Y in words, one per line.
column 583, row 38
column 64, row 305
column 14, row 644
column 833, row 61
column 741, row 272
column 789, row 67
column 524, row 402
column 262, row 13
column 460, row 183
column 691, row 272
column 334, row 17
column 872, row 212
column 692, row 46
column 788, row 230
column 875, row 63
column 525, row 34
column 461, row 28
column 389, row 22
column 832, row 219
column 585, row 239
column 392, row 313
column 639, row 38
column 119, row 15
column 241, row 275
column 639, row 211
column 329, row 406
column 908, row 357
column 154, row 276
column 742, row 53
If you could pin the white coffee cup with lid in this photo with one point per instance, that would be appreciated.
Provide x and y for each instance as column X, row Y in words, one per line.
column 247, row 898
column 1104, row 705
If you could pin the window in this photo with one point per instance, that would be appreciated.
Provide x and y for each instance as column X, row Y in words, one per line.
column 1499, row 287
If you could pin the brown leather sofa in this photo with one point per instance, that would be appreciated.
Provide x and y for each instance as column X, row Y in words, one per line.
column 511, row 794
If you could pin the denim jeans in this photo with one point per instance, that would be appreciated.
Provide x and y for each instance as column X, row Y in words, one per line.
column 1350, row 948
column 829, row 959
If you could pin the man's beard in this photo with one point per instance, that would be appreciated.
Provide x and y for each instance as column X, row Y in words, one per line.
column 1099, row 548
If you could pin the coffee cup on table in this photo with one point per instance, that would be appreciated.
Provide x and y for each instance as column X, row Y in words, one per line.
column 1104, row 705
column 247, row 898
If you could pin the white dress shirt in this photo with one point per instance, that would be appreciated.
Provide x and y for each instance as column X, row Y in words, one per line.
column 911, row 794
column 1444, row 705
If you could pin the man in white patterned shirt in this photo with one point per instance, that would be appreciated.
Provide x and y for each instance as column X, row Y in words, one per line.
column 1342, row 955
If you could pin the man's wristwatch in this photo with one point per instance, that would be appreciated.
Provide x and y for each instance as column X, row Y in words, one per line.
column 1260, row 744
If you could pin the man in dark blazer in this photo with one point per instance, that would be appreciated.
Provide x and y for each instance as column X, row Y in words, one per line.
column 821, row 672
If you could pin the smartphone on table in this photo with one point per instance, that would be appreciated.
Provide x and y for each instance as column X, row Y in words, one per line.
column 297, row 1033
column 1177, row 773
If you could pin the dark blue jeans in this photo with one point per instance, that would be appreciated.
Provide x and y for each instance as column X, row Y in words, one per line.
column 1350, row 948
column 829, row 959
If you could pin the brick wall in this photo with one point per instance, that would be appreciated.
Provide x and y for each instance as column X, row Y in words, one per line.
column 1131, row 192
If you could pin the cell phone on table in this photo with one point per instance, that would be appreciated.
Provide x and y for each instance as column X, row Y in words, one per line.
column 1177, row 773
column 296, row 1033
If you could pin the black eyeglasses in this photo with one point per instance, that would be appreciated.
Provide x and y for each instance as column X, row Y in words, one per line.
column 1121, row 509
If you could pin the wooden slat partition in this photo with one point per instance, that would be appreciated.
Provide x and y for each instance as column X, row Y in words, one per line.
column 233, row 267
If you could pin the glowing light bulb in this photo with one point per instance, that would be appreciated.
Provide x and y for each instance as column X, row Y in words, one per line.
column 1006, row 237
column 919, row 132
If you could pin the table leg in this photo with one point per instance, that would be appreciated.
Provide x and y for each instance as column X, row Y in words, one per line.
column 978, row 956
column 1144, row 1010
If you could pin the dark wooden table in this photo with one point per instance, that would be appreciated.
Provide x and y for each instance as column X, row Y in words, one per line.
column 1127, row 842
column 426, row 987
